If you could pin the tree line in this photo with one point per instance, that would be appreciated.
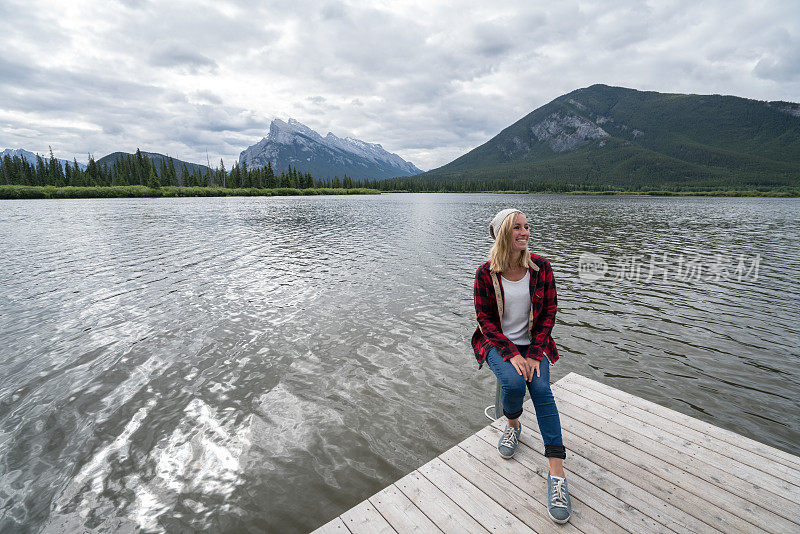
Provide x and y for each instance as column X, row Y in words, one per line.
column 534, row 184
column 138, row 169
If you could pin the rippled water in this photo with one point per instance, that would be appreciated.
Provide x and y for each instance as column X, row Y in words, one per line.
column 250, row 364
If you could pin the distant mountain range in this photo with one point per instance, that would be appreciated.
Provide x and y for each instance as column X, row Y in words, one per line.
column 289, row 144
column 112, row 158
column 623, row 137
column 30, row 157
column 598, row 136
column 296, row 144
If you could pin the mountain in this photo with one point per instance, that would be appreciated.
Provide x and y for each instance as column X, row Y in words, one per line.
column 110, row 159
column 296, row 144
column 614, row 136
column 30, row 157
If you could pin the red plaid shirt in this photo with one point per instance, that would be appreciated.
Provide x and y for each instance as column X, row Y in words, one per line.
column 489, row 332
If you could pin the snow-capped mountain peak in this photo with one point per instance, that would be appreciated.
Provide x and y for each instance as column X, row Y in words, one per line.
column 293, row 143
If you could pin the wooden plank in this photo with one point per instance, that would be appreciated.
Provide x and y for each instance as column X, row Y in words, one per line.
column 400, row 512
column 363, row 518
column 766, row 465
column 632, row 466
column 483, row 509
column 502, row 491
column 723, row 480
column 729, row 437
column 335, row 526
column 765, row 484
column 624, row 490
column 533, row 480
column 435, row 504
column 605, row 503
column 676, row 495
column 703, row 489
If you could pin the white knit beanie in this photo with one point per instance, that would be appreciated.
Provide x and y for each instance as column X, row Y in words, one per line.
column 497, row 222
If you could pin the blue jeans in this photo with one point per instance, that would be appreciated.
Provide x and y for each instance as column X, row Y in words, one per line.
column 512, row 393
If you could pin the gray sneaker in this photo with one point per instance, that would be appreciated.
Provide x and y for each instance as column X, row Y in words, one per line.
column 508, row 441
column 559, row 505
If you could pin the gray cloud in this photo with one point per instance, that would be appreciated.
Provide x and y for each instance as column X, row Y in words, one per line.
column 492, row 39
column 780, row 69
column 204, row 96
column 183, row 57
column 224, row 119
column 67, row 94
column 423, row 79
column 134, row 4
column 782, row 62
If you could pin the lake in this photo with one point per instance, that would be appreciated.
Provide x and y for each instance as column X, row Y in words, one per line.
column 263, row 364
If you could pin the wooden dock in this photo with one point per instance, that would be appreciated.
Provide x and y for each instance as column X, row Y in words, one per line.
column 632, row 466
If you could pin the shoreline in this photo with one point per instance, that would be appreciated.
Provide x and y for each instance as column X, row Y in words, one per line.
column 793, row 193
column 27, row 192
column 23, row 192
column 718, row 193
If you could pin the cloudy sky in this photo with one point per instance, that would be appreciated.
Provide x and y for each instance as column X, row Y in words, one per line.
column 428, row 80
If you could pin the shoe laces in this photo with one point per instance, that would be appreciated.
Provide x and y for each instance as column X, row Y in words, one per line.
column 509, row 437
column 558, row 498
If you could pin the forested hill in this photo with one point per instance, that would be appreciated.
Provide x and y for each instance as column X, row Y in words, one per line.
column 160, row 162
column 603, row 136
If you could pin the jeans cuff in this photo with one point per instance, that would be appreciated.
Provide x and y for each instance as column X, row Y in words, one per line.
column 512, row 415
column 555, row 451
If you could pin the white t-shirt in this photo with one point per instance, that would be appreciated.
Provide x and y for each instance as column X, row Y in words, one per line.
column 517, row 309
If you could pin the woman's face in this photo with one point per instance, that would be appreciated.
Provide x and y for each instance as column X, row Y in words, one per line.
column 520, row 233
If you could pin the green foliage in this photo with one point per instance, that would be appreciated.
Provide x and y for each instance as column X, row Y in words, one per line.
column 21, row 191
column 152, row 180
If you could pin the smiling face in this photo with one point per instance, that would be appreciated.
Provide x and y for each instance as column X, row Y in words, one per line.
column 510, row 246
column 520, row 233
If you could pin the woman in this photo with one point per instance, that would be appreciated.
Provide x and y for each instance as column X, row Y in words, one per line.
column 515, row 300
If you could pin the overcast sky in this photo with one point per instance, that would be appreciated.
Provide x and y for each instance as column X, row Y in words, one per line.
column 428, row 80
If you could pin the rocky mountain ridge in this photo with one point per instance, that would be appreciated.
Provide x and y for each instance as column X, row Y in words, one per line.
column 615, row 136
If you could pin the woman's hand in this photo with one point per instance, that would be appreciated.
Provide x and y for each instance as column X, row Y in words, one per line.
column 525, row 366
column 534, row 363
column 521, row 365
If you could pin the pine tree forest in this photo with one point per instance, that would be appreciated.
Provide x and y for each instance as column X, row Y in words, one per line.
column 137, row 169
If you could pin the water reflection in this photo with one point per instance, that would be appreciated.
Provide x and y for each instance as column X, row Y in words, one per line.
column 187, row 364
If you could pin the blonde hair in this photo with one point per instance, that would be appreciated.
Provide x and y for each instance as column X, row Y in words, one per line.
column 500, row 259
